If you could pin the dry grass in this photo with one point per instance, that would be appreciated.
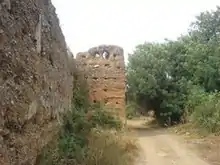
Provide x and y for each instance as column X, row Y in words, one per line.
column 111, row 148
column 209, row 149
column 206, row 145
column 188, row 130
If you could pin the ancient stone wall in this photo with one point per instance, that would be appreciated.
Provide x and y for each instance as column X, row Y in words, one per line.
column 104, row 69
column 35, row 79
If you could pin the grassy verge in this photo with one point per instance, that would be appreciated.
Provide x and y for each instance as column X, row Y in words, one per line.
column 90, row 135
column 111, row 147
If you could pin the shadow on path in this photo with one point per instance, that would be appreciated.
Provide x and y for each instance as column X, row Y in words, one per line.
column 144, row 128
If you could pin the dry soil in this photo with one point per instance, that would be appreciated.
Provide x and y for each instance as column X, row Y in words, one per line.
column 160, row 147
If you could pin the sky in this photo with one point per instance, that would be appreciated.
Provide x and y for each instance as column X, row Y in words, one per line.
column 127, row 23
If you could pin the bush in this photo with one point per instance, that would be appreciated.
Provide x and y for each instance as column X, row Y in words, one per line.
column 196, row 96
column 74, row 145
column 132, row 110
column 73, row 141
column 103, row 118
column 207, row 114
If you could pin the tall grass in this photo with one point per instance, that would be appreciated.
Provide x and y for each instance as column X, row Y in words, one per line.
column 111, row 147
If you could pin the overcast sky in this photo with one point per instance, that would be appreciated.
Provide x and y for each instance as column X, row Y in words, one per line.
column 87, row 23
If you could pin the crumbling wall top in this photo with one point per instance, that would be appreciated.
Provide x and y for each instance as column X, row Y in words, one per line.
column 104, row 69
column 104, row 51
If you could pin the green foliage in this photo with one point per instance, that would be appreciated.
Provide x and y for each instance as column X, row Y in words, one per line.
column 132, row 110
column 196, row 97
column 152, row 78
column 80, row 100
column 162, row 75
column 207, row 114
column 72, row 141
column 206, row 28
column 71, row 146
column 204, row 50
column 105, row 119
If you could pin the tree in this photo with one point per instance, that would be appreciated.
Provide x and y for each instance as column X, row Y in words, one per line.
column 152, row 81
column 204, row 50
column 160, row 75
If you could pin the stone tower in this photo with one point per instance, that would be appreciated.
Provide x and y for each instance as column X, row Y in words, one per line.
column 104, row 69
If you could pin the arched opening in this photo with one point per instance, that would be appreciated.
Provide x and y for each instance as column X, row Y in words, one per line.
column 105, row 55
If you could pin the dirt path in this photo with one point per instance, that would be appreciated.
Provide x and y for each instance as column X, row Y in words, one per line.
column 159, row 147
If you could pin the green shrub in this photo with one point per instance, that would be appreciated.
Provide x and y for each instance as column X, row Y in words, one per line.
column 71, row 146
column 132, row 110
column 84, row 124
column 206, row 115
column 196, row 96
column 104, row 118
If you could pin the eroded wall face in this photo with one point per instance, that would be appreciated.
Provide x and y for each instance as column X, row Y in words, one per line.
column 106, row 79
column 35, row 79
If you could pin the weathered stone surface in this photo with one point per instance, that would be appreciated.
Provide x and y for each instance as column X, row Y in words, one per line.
column 105, row 76
column 35, row 78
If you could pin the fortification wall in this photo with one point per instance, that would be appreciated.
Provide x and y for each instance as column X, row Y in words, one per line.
column 104, row 69
column 35, row 79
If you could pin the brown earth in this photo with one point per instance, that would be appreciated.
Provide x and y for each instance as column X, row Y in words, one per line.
column 206, row 145
column 160, row 147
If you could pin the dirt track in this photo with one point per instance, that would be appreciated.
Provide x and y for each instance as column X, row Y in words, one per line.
column 159, row 147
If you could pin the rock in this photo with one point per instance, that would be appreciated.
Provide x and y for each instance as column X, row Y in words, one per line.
column 96, row 66
column 4, row 132
column 2, row 39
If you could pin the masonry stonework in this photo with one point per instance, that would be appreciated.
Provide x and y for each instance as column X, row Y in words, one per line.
column 35, row 79
column 104, row 69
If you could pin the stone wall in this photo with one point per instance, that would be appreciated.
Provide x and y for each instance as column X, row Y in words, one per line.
column 104, row 69
column 35, row 78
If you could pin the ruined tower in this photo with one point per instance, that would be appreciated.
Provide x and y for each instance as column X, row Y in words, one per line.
column 104, row 69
